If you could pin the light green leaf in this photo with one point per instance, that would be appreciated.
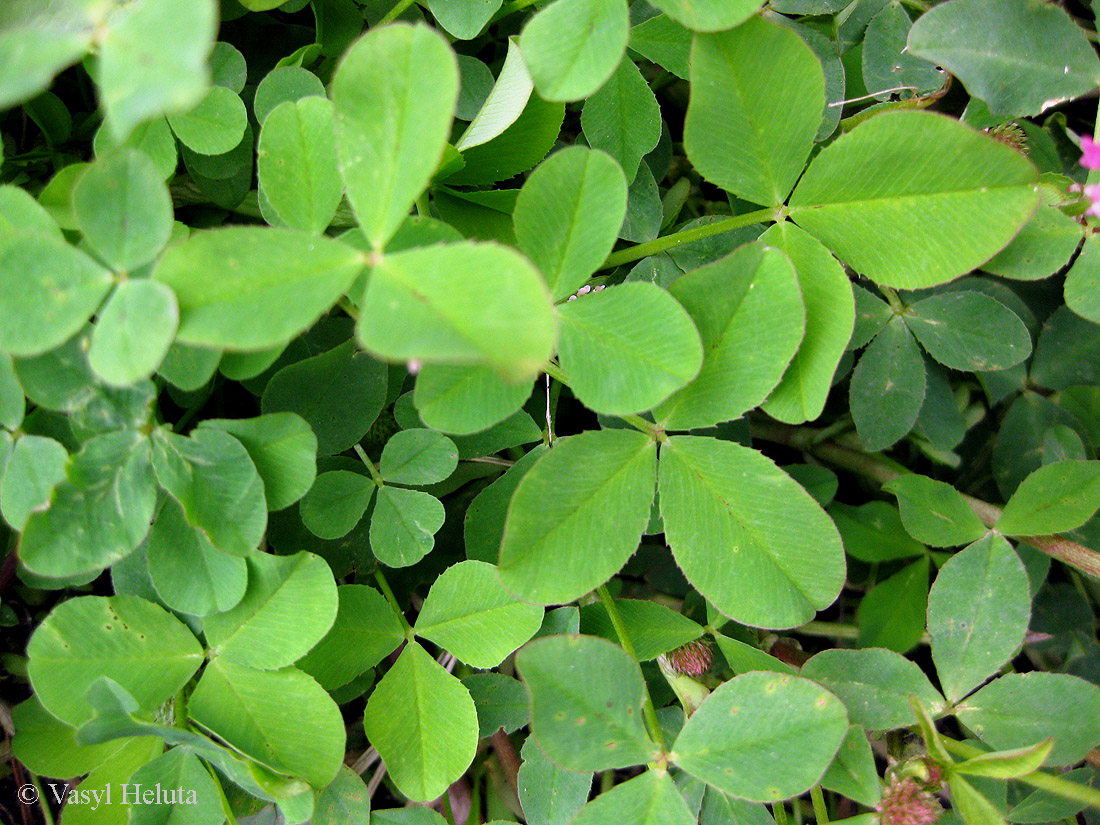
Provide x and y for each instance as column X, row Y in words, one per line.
column 1014, row 712
column 577, row 515
column 211, row 475
column 891, row 614
column 469, row 613
column 99, row 514
column 392, row 126
column 215, row 125
column 152, row 61
column 134, row 330
column 501, row 702
column 935, row 513
column 746, row 535
column 978, row 612
column 573, row 46
column 282, row 719
column 750, row 131
column 140, row 645
column 1042, row 247
column 549, row 795
column 623, row 118
column 282, row 447
column 568, row 215
column 336, row 502
column 653, row 628
column 748, row 309
column 465, row 400
column 346, row 801
column 914, row 199
column 418, row 457
column 197, row 797
column 1053, row 499
column 123, row 208
column 296, row 164
column 874, row 685
column 113, row 773
column 1021, row 58
column 665, row 42
column 969, row 331
column 21, row 213
column 420, row 304
column 887, row 388
column 505, row 103
column 972, row 806
column 651, row 798
column 1007, row 764
column 365, row 631
column 423, row 723
column 517, row 148
column 251, row 288
column 586, row 702
column 484, row 522
column 1082, row 290
column 853, row 773
column 48, row 746
column 339, row 393
column 289, row 606
column 743, row 658
column 48, row 290
column 189, row 368
column 34, row 467
column 462, row 18
column 887, row 67
column 37, row 41
column 285, row 83
column 608, row 349
column 153, row 139
column 752, row 722
column 188, row 573
column 830, row 315
column 709, row 15
column 404, row 524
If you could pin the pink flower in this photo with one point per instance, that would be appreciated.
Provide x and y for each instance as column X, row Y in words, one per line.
column 1091, row 157
column 906, row 802
column 1093, row 194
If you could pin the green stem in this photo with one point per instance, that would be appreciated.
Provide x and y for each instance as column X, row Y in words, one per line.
column 511, row 7
column 384, row 586
column 892, row 299
column 821, row 813
column 636, row 421
column 226, row 807
column 349, row 308
column 881, row 469
column 374, row 474
column 1043, row 781
column 47, row 815
column 624, row 639
column 450, row 814
column 779, row 813
column 422, row 208
column 677, row 239
column 179, row 709
column 395, row 12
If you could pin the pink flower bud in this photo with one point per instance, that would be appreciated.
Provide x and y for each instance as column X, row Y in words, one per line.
column 692, row 659
column 907, row 802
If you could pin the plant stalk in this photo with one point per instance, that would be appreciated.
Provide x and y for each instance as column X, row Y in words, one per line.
column 1037, row 779
column 388, row 593
column 624, row 639
column 677, row 239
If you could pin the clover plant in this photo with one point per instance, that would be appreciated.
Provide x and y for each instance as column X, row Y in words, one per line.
column 557, row 411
